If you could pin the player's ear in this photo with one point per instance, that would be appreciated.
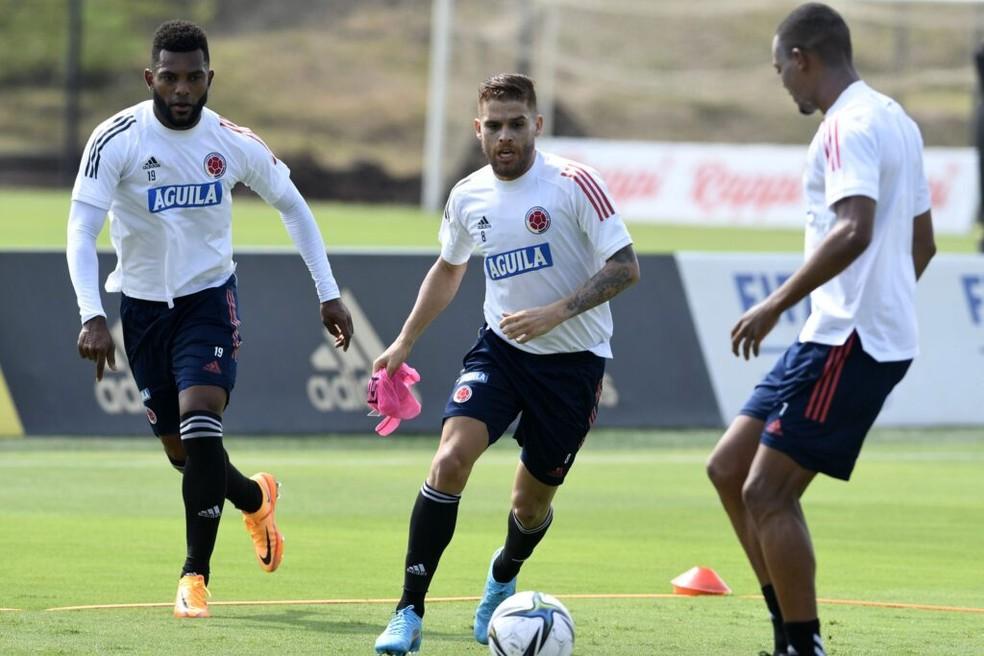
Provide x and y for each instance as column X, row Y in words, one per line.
column 539, row 125
column 800, row 57
column 478, row 129
column 211, row 74
column 149, row 78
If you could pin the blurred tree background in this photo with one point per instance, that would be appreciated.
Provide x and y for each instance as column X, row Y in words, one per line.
column 35, row 36
column 339, row 88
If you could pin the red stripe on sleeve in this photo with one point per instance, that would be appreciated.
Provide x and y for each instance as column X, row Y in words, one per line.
column 598, row 199
column 226, row 123
column 597, row 187
column 587, row 193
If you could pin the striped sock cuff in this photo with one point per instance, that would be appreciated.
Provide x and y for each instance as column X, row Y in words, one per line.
column 200, row 423
column 436, row 495
column 544, row 525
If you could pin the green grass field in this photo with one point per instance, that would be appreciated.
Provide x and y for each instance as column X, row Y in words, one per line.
column 99, row 522
column 36, row 219
column 91, row 521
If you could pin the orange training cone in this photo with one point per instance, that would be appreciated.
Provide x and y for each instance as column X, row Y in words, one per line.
column 700, row 581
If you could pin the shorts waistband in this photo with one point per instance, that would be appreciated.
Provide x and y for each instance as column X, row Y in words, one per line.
column 573, row 357
column 180, row 300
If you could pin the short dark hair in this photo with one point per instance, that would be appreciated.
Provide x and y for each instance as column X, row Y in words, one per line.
column 818, row 28
column 508, row 86
column 178, row 36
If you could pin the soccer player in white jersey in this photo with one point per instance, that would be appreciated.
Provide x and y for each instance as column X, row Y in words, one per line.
column 555, row 251
column 164, row 170
column 869, row 236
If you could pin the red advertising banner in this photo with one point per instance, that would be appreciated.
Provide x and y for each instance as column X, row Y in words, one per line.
column 744, row 185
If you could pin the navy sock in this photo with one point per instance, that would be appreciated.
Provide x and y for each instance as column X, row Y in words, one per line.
column 804, row 639
column 244, row 493
column 520, row 542
column 203, row 487
column 778, row 631
column 432, row 522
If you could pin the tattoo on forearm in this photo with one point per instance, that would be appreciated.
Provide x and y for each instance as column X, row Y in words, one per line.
column 615, row 276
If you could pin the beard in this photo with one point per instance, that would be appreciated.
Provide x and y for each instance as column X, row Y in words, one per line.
column 806, row 109
column 516, row 168
column 172, row 120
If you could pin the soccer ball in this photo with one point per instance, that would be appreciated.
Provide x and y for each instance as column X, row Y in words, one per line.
column 531, row 624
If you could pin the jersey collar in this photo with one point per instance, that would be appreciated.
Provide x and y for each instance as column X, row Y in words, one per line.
column 852, row 90
column 523, row 181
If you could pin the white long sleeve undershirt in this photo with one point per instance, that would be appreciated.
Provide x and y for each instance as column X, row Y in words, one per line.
column 85, row 222
column 304, row 232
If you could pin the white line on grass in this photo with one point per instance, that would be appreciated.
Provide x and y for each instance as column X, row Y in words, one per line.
column 340, row 602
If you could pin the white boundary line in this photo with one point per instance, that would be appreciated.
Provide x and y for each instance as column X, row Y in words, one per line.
column 344, row 602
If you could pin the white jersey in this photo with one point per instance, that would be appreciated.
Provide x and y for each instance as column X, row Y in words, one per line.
column 867, row 146
column 542, row 236
column 169, row 197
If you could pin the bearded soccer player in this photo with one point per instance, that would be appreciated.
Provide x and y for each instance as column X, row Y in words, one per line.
column 164, row 171
column 869, row 236
column 555, row 252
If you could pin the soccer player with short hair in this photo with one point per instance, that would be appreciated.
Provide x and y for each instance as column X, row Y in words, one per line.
column 164, row 170
column 869, row 236
column 555, row 251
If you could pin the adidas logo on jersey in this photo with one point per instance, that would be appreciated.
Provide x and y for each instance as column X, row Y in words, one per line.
column 211, row 513
column 417, row 570
column 151, row 163
column 484, row 224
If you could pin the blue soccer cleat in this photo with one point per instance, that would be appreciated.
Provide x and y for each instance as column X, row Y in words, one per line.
column 402, row 634
column 495, row 593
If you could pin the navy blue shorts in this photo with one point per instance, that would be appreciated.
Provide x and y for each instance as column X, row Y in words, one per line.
column 169, row 349
column 555, row 395
column 819, row 402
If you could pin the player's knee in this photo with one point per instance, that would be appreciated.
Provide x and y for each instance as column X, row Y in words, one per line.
column 173, row 447
column 760, row 499
column 530, row 514
column 529, row 509
column 726, row 477
column 449, row 471
column 174, row 451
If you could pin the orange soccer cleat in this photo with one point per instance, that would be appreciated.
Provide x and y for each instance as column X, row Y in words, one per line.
column 192, row 597
column 262, row 526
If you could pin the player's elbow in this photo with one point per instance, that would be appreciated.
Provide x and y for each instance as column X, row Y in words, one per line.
column 632, row 273
column 628, row 265
column 857, row 240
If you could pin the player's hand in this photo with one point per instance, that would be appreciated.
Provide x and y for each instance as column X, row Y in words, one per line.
column 391, row 359
column 336, row 318
column 527, row 324
column 96, row 343
column 752, row 328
